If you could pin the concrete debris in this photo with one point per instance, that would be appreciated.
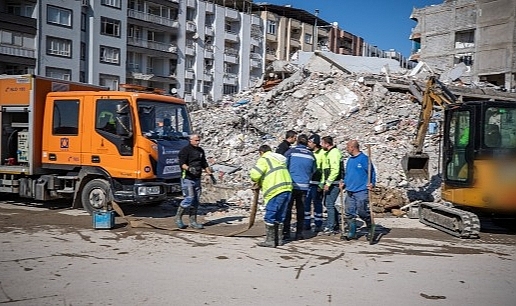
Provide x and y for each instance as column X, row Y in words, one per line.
column 324, row 101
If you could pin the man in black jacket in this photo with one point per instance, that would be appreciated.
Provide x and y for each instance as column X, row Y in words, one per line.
column 192, row 160
column 290, row 139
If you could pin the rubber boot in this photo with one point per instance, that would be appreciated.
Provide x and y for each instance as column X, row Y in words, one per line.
column 179, row 218
column 279, row 234
column 193, row 219
column 270, row 231
column 352, row 233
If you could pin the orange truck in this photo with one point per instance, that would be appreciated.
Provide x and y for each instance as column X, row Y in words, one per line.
column 64, row 139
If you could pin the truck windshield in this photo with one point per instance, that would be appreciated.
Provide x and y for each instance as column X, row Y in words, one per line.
column 161, row 120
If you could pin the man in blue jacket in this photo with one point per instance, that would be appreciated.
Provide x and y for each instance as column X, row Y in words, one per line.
column 301, row 165
column 357, row 188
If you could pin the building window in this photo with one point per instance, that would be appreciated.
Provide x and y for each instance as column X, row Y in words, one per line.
column 206, row 89
column 465, row 39
column 82, row 76
column 83, row 22
column 110, row 26
column 109, row 55
column 466, row 58
column 112, row 3
column 308, row 38
column 190, row 14
column 58, row 73
column 271, row 27
column 111, row 81
column 59, row 16
column 135, row 32
column 189, row 62
column 59, row 47
column 230, row 89
column 11, row 38
column 189, row 85
column 20, row 10
column 66, row 117
column 83, row 51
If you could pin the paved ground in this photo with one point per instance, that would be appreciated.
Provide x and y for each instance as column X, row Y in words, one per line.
column 51, row 255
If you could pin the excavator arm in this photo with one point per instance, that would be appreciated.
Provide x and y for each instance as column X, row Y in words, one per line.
column 415, row 164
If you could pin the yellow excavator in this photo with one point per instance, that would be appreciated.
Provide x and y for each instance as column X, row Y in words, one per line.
column 478, row 160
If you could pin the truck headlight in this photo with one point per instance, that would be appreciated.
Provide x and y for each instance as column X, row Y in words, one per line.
column 149, row 190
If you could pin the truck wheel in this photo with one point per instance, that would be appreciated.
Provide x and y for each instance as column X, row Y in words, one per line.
column 95, row 195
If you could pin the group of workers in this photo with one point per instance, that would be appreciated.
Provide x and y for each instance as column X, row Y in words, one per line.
column 307, row 173
column 307, row 176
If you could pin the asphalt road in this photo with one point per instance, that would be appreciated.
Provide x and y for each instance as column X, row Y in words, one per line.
column 51, row 255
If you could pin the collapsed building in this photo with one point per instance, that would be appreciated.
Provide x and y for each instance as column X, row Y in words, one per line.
column 345, row 97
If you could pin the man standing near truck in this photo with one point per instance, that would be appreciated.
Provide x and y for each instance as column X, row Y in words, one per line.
column 192, row 160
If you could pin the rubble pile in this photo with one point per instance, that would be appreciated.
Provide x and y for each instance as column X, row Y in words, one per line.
column 330, row 102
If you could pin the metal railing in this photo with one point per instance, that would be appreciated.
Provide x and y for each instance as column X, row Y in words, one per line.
column 152, row 18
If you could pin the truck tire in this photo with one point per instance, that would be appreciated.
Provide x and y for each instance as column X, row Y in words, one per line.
column 95, row 195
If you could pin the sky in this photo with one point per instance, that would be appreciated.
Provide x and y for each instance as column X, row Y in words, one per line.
column 382, row 23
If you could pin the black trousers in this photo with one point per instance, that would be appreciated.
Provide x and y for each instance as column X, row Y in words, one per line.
column 298, row 197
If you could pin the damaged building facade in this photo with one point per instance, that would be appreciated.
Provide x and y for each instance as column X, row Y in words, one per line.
column 480, row 34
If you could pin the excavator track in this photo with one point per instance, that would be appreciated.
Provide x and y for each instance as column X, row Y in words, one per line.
column 454, row 221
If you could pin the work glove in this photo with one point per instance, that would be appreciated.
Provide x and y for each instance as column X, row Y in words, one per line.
column 213, row 180
column 194, row 171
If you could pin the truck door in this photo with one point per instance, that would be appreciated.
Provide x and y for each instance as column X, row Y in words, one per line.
column 112, row 142
column 62, row 142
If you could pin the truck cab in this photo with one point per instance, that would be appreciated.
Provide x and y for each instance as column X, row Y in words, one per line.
column 95, row 146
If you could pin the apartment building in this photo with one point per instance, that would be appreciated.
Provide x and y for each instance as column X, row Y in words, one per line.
column 200, row 49
column 481, row 34
column 18, row 37
column 288, row 30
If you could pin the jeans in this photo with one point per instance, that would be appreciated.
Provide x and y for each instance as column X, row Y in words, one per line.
column 357, row 205
column 315, row 195
column 298, row 196
column 332, row 222
column 276, row 208
column 191, row 191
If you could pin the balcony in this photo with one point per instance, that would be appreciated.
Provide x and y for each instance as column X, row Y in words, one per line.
column 231, row 36
column 208, row 75
column 294, row 42
column 270, row 55
column 255, row 20
column 152, row 18
column 323, row 32
column 191, row 26
column 188, row 98
column 189, row 74
column 230, row 78
column 255, row 63
column 271, row 37
column 154, row 45
column 232, row 14
column 255, row 41
column 208, row 30
column 208, row 52
column 191, row 3
column 17, row 51
column 210, row 7
column 21, row 23
column 231, row 56
column 295, row 24
column 133, row 67
column 190, row 47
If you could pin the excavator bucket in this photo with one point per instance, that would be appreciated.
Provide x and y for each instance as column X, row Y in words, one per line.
column 415, row 165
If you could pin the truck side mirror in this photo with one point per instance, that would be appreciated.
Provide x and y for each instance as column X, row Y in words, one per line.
column 122, row 108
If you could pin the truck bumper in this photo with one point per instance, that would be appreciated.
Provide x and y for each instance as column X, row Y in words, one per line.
column 143, row 193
